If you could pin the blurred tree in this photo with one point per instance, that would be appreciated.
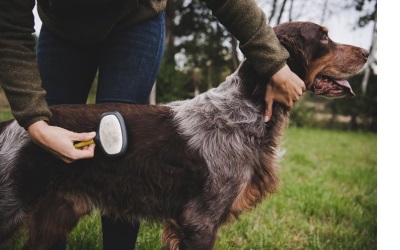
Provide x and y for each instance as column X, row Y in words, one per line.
column 204, row 42
column 170, row 80
column 362, row 109
column 194, row 39
column 368, row 15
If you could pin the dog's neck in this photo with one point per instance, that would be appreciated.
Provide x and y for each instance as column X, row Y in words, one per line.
column 227, row 106
column 227, row 122
column 219, row 119
column 253, row 86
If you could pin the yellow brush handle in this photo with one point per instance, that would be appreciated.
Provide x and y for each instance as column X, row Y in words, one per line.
column 83, row 143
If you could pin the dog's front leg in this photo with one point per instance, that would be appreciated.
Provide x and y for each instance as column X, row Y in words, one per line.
column 184, row 236
column 197, row 227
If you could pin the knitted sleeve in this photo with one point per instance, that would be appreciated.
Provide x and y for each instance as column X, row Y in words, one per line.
column 19, row 74
column 258, row 42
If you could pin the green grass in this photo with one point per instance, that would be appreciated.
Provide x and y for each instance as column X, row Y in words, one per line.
column 327, row 200
column 5, row 114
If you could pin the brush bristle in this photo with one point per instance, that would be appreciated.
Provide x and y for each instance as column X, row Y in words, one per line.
column 110, row 134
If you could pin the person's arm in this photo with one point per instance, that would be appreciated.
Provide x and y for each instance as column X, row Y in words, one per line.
column 258, row 42
column 19, row 74
column 20, row 79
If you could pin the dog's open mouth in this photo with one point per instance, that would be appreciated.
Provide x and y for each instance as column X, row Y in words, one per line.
column 330, row 87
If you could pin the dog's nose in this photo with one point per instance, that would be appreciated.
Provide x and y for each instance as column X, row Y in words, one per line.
column 365, row 53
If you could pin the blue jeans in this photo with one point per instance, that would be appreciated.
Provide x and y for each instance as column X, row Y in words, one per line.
column 127, row 61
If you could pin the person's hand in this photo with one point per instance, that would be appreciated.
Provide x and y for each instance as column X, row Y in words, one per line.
column 284, row 87
column 60, row 142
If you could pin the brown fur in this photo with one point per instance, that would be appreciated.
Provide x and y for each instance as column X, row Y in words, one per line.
column 161, row 178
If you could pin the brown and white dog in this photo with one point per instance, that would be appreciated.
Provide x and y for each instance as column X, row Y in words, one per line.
column 190, row 164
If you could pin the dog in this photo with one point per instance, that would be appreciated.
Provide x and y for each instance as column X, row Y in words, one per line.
column 192, row 165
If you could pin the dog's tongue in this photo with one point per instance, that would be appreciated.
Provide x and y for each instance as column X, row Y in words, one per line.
column 345, row 84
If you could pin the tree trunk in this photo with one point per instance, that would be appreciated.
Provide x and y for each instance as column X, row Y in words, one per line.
column 273, row 10
column 371, row 59
column 152, row 98
column 353, row 122
column 281, row 12
column 334, row 113
column 234, row 54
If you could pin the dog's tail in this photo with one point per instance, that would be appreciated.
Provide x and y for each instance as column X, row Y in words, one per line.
column 12, row 139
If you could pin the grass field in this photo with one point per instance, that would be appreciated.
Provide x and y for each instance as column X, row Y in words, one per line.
column 327, row 200
column 5, row 114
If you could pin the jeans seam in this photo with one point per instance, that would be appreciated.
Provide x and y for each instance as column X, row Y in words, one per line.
column 160, row 45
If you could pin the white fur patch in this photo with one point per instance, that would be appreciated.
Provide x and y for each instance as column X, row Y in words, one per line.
column 12, row 140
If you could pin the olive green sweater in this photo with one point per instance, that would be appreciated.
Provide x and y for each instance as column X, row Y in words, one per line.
column 90, row 21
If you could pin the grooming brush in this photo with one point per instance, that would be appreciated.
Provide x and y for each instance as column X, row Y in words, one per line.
column 111, row 135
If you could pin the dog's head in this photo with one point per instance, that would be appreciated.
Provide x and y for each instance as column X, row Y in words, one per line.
column 321, row 63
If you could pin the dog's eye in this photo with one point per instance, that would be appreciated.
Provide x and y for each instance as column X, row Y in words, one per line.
column 325, row 38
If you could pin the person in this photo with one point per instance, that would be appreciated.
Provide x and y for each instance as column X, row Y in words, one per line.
column 124, row 41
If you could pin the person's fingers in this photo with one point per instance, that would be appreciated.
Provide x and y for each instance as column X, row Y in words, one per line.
column 289, row 106
column 295, row 98
column 269, row 101
column 92, row 147
column 303, row 87
column 83, row 153
column 82, row 136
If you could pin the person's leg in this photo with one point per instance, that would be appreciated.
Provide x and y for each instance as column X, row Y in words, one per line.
column 67, row 70
column 119, row 234
column 129, row 64
column 130, row 61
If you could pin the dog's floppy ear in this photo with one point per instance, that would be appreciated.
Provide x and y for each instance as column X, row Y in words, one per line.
column 292, row 39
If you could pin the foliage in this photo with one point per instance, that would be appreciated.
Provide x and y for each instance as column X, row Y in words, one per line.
column 370, row 15
column 200, row 37
column 170, row 83
column 5, row 114
column 304, row 112
column 362, row 109
column 199, row 42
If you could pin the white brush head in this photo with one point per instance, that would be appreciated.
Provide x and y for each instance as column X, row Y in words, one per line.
column 112, row 133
